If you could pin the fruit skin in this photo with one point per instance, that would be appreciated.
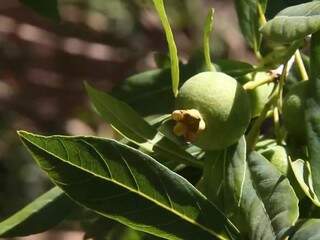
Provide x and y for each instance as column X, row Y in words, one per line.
column 293, row 111
column 223, row 104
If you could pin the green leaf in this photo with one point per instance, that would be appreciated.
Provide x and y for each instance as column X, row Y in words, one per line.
column 162, row 60
column 208, row 28
column 278, row 156
column 312, row 113
column 120, row 232
column 157, row 120
column 147, row 87
column 234, row 68
column 308, row 230
column 175, row 75
column 47, row 8
column 315, row 64
column 128, row 123
column 250, row 20
column 279, row 55
column 294, row 23
column 128, row 186
column 212, row 179
column 42, row 214
column 255, row 193
column 303, row 175
column 312, row 116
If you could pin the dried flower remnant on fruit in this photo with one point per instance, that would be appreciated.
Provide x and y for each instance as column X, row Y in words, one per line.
column 189, row 124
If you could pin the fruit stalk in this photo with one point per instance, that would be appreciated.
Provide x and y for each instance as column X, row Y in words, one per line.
column 251, row 85
column 208, row 28
column 301, row 67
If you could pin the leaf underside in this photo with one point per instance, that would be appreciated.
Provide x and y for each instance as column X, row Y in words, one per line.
column 294, row 23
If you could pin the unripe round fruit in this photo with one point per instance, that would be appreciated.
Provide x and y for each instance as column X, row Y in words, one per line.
column 224, row 107
column 293, row 111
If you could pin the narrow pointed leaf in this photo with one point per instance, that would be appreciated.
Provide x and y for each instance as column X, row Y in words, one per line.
column 42, row 214
column 309, row 230
column 208, row 28
column 128, row 186
column 127, row 122
column 255, row 191
column 249, row 20
column 147, row 87
column 175, row 75
column 294, row 22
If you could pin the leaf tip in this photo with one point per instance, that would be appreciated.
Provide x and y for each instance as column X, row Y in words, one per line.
column 87, row 86
column 211, row 13
column 89, row 89
column 22, row 133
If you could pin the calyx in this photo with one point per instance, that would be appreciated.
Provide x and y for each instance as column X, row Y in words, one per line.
column 189, row 124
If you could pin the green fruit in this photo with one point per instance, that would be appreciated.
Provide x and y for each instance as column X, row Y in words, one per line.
column 293, row 111
column 223, row 105
column 260, row 95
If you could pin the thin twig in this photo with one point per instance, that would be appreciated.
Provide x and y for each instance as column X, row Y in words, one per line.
column 300, row 65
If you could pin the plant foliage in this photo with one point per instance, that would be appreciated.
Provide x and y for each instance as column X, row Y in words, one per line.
column 152, row 182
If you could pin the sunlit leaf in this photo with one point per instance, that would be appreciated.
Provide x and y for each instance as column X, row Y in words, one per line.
column 175, row 75
column 294, row 22
column 208, row 28
column 123, row 184
column 255, row 193
column 302, row 173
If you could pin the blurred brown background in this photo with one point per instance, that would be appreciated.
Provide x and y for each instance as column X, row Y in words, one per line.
column 43, row 66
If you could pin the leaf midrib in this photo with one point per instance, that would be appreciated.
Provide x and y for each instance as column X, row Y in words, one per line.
column 186, row 218
column 298, row 17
